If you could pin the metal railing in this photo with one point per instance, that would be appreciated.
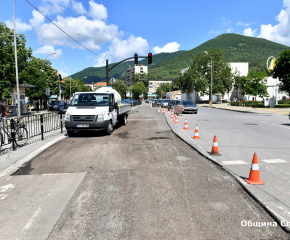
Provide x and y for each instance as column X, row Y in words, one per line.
column 35, row 125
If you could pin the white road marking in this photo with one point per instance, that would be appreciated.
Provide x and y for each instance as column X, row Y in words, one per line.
column 5, row 188
column 274, row 161
column 2, row 196
column 32, row 218
column 236, row 162
column 276, row 125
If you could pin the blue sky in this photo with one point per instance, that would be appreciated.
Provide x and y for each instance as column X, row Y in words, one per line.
column 116, row 29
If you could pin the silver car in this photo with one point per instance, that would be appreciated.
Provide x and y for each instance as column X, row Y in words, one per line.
column 164, row 103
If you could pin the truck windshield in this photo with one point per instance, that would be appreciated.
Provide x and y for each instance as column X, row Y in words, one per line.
column 90, row 99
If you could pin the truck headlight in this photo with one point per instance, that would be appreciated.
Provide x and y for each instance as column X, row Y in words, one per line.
column 101, row 116
column 67, row 116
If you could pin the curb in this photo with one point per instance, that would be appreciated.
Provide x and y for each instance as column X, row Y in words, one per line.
column 236, row 110
column 250, row 189
column 13, row 168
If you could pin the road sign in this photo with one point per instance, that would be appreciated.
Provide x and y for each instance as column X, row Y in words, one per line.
column 47, row 91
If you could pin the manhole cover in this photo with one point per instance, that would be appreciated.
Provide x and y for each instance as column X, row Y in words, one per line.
column 250, row 123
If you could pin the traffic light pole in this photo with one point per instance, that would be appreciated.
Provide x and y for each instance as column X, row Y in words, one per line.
column 109, row 69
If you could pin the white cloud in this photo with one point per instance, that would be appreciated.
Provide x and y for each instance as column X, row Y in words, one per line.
column 225, row 21
column 249, row 32
column 78, row 7
column 281, row 32
column 37, row 19
column 230, row 30
column 213, row 32
column 20, row 26
column 46, row 50
column 244, row 24
column 169, row 47
column 97, row 11
column 121, row 49
column 92, row 33
column 62, row 73
column 53, row 6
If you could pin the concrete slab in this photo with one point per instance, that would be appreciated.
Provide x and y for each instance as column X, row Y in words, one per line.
column 31, row 205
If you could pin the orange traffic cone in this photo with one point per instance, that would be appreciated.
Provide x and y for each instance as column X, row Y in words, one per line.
column 185, row 125
column 254, row 177
column 196, row 134
column 176, row 119
column 215, row 148
column 167, row 112
column 171, row 114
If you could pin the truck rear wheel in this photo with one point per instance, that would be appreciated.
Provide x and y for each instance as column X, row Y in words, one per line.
column 110, row 128
column 125, row 119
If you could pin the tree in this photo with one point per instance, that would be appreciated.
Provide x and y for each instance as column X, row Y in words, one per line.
column 71, row 85
column 163, row 89
column 41, row 75
column 138, row 89
column 7, row 60
column 120, row 87
column 198, row 76
column 254, row 84
column 141, row 78
column 282, row 70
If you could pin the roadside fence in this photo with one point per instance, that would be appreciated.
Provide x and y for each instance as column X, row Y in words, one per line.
column 36, row 125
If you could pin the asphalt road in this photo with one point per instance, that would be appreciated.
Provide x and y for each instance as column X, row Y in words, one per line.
column 239, row 136
column 142, row 182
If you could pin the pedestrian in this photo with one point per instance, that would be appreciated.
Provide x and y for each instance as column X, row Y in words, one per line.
column 45, row 104
column 2, row 110
column 37, row 106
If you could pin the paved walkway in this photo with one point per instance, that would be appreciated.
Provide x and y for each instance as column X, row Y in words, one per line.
column 227, row 106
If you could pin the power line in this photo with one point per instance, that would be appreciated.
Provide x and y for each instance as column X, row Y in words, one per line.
column 64, row 31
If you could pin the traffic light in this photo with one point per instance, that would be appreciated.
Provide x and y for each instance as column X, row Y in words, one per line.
column 149, row 58
column 136, row 58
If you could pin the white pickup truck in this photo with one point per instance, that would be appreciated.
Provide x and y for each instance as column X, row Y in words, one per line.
column 96, row 111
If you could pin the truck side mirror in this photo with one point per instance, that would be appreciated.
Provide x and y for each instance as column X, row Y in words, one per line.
column 115, row 105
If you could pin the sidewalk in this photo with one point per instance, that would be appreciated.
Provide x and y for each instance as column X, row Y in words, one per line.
column 227, row 106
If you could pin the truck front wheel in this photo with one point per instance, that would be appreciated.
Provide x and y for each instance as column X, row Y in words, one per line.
column 125, row 120
column 110, row 128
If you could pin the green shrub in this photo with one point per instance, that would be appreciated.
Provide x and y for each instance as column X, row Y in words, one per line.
column 255, row 104
column 282, row 106
column 284, row 101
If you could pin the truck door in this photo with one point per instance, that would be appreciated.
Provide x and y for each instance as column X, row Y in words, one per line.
column 113, row 112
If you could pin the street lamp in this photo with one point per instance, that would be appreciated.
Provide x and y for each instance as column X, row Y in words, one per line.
column 210, row 78
column 50, row 54
column 70, row 84
column 16, row 65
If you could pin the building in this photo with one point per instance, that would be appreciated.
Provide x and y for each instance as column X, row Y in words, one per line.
column 153, row 85
column 175, row 95
column 135, row 70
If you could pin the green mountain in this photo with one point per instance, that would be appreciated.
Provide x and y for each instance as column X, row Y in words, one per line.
column 166, row 66
column 97, row 74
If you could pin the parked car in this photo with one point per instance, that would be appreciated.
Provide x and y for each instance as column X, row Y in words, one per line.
column 189, row 107
column 62, row 107
column 172, row 104
column 164, row 103
column 159, row 101
column 55, row 105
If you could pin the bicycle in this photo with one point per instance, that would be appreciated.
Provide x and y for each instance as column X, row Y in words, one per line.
column 21, row 133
